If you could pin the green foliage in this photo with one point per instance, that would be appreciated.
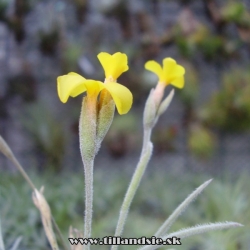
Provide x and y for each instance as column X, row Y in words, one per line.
column 185, row 47
column 245, row 21
column 233, row 197
column 164, row 138
column 201, row 41
column 125, row 123
column 201, row 141
column 237, row 13
column 190, row 92
column 3, row 8
column 233, row 11
column 47, row 134
column 188, row 37
column 70, row 56
column 211, row 46
column 18, row 215
column 225, row 199
column 123, row 135
column 229, row 108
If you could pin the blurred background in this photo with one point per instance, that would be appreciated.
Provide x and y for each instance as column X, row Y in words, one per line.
column 204, row 132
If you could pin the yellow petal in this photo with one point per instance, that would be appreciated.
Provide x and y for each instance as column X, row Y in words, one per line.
column 78, row 90
column 70, row 85
column 120, row 62
column 169, row 66
column 121, row 95
column 93, row 87
column 172, row 70
column 178, row 71
column 178, row 82
column 154, row 67
column 105, row 59
column 113, row 65
column 74, row 74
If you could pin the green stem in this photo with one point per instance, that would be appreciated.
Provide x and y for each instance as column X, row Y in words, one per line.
column 136, row 179
column 146, row 139
column 88, row 170
column 87, row 136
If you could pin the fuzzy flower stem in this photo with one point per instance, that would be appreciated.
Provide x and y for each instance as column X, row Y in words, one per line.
column 146, row 139
column 136, row 179
column 87, row 134
column 88, row 170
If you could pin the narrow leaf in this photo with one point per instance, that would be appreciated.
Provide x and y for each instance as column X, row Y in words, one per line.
column 191, row 231
column 177, row 212
column 200, row 229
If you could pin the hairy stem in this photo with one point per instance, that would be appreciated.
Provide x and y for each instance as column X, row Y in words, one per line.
column 88, row 169
column 87, row 136
column 133, row 186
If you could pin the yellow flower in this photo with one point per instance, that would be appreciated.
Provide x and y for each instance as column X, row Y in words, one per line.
column 170, row 73
column 74, row 84
column 113, row 65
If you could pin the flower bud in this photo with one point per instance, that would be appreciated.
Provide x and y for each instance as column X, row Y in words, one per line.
column 106, row 109
column 87, row 128
column 149, row 111
column 165, row 103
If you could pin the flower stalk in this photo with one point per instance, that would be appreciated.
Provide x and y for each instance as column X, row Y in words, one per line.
column 87, row 134
column 88, row 171
column 133, row 186
column 149, row 120
column 170, row 73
